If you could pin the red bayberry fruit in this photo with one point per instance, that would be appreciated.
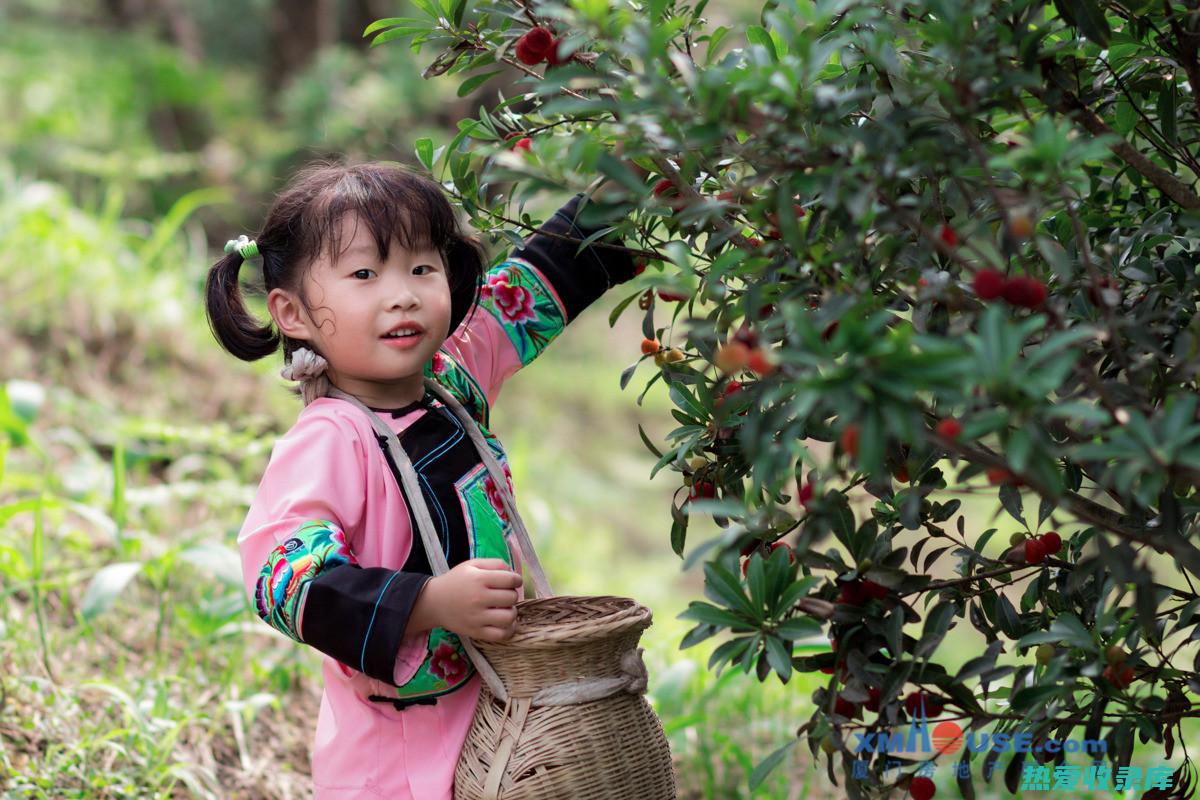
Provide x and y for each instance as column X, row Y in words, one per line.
column 552, row 56
column 1052, row 542
column 921, row 788
column 728, row 197
column 830, row 330
column 791, row 555
column 948, row 236
column 1120, row 675
column 804, row 494
column 671, row 297
column 933, row 703
column 666, row 191
column 1103, row 290
column 847, row 709
column 746, row 336
column 874, row 591
column 745, row 565
column 639, row 267
column 766, row 311
column 523, row 144
column 533, row 46
column 989, row 284
column 849, row 440
column 859, row 591
column 1035, row 551
column 999, row 475
column 901, row 474
column 949, row 427
column 650, row 346
column 513, row 135
column 1024, row 292
column 758, row 362
column 701, row 490
column 873, row 697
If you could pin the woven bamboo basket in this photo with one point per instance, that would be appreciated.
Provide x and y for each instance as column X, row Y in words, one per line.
column 562, row 713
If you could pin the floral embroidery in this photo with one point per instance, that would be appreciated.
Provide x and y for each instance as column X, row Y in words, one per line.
column 493, row 495
column 447, row 663
column 439, row 366
column 515, row 303
column 526, row 306
column 316, row 546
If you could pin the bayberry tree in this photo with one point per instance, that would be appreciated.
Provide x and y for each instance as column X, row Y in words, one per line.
column 901, row 252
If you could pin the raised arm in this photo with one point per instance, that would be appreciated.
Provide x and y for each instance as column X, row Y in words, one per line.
column 529, row 298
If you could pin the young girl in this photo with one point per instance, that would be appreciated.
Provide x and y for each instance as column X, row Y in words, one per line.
column 373, row 287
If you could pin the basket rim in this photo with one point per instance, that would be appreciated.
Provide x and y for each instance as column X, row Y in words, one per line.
column 634, row 616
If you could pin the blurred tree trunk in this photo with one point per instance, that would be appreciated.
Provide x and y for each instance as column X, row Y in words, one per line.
column 298, row 29
column 358, row 14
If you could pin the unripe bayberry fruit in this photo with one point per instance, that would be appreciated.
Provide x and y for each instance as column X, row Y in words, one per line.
column 1045, row 652
column 532, row 47
column 1034, row 552
column 732, row 357
column 650, row 346
column 675, row 356
column 1020, row 225
column 827, row 744
column 1051, row 542
column 921, row 788
column 1017, row 538
column 988, row 284
column 949, row 427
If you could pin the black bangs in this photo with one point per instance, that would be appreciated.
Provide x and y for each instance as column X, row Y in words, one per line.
column 393, row 203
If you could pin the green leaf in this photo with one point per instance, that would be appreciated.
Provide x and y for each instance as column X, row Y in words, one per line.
column 475, row 81
column 759, row 36
column 764, row 768
column 106, row 585
column 699, row 611
column 798, row 628
column 424, row 147
column 729, row 589
column 778, row 658
column 1091, row 21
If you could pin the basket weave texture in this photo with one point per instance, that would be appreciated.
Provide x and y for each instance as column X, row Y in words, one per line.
column 603, row 749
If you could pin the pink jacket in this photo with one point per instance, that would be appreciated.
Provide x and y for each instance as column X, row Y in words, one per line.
column 330, row 467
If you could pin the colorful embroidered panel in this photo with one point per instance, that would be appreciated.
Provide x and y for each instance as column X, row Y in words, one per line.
column 444, row 369
column 516, row 294
column 317, row 546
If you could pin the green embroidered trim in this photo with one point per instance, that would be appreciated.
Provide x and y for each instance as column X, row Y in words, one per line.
column 524, row 305
column 316, row 546
column 444, row 369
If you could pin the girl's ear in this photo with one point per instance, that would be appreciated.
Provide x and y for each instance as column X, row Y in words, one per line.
column 288, row 315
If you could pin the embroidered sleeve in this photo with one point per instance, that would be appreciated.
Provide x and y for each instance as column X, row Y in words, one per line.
column 298, row 561
column 529, row 298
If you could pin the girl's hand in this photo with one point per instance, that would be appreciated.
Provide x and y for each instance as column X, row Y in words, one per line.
column 476, row 599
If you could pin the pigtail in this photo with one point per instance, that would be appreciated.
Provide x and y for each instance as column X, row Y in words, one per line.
column 234, row 327
column 465, row 259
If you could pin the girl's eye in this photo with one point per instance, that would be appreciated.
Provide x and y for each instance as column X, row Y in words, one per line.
column 361, row 271
column 423, row 266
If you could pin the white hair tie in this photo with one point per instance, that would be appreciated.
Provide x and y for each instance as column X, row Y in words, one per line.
column 303, row 365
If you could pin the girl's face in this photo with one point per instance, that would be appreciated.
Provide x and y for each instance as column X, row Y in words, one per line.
column 357, row 300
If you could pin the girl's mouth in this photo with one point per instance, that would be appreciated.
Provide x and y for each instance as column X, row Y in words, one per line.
column 403, row 342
